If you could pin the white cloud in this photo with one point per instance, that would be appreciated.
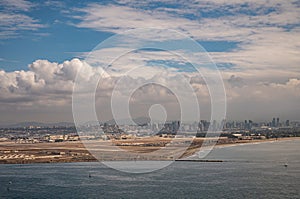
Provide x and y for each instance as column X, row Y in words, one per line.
column 40, row 82
column 21, row 5
column 263, row 79
column 270, row 48
column 18, row 22
column 263, row 100
column 114, row 18
column 265, row 39
column 14, row 18
column 47, row 89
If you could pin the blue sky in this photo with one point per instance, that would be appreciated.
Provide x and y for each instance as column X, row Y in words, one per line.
column 255, row 44
column 57, row 39
column 61, row 30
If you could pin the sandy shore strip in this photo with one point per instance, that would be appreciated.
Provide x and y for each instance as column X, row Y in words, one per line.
column 206, row 149
column 253, row 142
column 16, row 153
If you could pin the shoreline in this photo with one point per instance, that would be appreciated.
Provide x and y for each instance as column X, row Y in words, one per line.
column 271, row 140
column 68, row 152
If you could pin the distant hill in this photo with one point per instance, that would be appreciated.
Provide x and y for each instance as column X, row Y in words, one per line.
column 41, row 124
column 139, row 121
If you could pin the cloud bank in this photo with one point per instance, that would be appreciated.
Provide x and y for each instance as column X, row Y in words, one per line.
column 49, row 85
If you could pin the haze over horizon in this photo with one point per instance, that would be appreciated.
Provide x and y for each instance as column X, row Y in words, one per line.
column 254, row 43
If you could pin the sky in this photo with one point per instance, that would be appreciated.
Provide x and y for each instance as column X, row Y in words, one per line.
column 254, row 43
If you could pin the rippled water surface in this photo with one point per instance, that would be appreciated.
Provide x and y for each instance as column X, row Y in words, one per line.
column 248, row 171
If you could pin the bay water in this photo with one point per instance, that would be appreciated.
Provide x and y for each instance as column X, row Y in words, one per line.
column 247, row 171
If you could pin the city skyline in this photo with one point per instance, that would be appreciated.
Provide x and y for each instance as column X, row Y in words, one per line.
column 255, row 45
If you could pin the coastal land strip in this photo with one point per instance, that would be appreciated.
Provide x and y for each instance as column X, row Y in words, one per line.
column 152, row 148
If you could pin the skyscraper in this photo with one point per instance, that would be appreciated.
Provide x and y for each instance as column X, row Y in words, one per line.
column 287, row 123
column 273, row 122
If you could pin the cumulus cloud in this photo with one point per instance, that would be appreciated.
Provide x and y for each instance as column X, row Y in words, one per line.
column 263, row 100
column 47, row 87
column 42, row 79
column 292, row 85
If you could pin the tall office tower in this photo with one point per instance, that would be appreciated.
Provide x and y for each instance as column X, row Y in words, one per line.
column 273, row 122
column 200, row 126
column 287, row 123
column 277, row 122
column 175, row 127
column 250, row 124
